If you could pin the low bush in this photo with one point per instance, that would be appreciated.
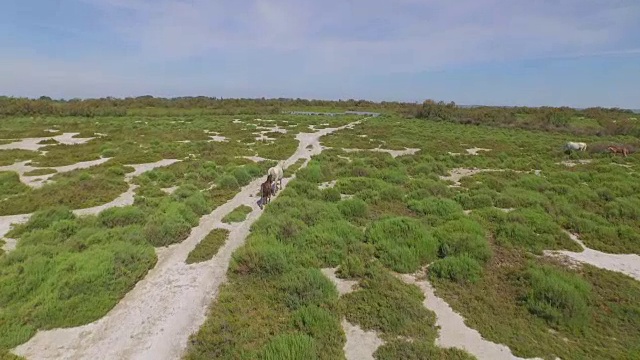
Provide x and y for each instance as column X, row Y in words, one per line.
column 561, row 298
column 122, row 216
column 238, row 214
column 208, row 247
column 458, row 268
column 403, row 244
column 290, row 347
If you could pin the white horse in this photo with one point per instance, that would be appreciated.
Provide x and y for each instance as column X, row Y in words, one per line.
column 577, row 146
column 277, row 174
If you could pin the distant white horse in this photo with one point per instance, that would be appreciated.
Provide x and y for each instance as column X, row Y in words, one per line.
column 277, row 174
column 577, row 146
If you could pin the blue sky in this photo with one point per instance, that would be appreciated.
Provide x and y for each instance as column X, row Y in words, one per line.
column 503, row 52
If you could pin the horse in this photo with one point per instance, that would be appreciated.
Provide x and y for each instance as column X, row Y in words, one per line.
column 578, row 146
column 619, row 149
column 265, row 191
column 276, row 174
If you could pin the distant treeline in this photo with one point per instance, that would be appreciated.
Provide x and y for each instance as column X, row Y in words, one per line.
column 10, row 106
column 611, row 121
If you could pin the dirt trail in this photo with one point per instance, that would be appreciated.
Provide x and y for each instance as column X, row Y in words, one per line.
column 37, row 181
column 453, row 331
column 155, row 319
column 628, row 264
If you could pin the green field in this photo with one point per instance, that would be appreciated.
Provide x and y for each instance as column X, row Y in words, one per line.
column 484, row 241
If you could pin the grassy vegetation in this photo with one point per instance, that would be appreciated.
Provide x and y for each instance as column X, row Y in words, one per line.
column 68, row 271
column 402, row 216
column 208, row 247
column 238, row 214
column 384, row 215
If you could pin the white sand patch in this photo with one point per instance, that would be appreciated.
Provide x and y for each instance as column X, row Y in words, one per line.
column 38, row 181
column 453, row 331
column 217, row 138
column 360, row 344
column 328, row 184
column 183, row 141
column 154, row 320
column 573, row 163
column 52, row 130
column 393, row 153
column 254, row 158
column 343, row 286
column 237, row 121
column 9, row 244
column 346, row 197
column 32, row 144
column 474, row 151
column 628, row 264
column 345, row 158
column 170, row 190
column 263, row 137
column 455, row 175
column 8, row 220
column 453, row 154
column 100, row 134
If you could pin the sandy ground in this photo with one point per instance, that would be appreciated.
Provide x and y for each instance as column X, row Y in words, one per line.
column 628, row 264
column 255, row 158
column 574, row 163
column 154, row 320
column 453, row 331
column 474, row 151
column 39, row 180
column 32, row 143
column 455, row 175
column 327, row 185
column 393, row 153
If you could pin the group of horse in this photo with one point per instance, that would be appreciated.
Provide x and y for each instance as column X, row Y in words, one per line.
column 270, row 186
column 580, row 146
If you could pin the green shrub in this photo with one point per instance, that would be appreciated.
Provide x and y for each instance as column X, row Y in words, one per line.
column 324, row 327
column 436, row 210
column 238, row 214
column 208, row 247
column 352, row 267
column 403, row 244
column 458, row 268
column 353, row 209
column 306, row 287
column 170, row 224
column 122, row 216
column 418, row 350
column 331, row 195
column 329, row 241
column 559, row 297
column 10, row 184
column 463, row 236
column 228, row 182
column 386, row 304
column 290, row 347
column 261, row 259
column 42, row 219
column 242, row 176
column 312, row 173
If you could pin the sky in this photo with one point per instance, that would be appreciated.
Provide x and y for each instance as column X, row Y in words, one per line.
column 577, row 53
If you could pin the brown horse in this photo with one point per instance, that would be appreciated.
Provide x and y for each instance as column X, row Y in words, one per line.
column 619, row 149
column 265, row 191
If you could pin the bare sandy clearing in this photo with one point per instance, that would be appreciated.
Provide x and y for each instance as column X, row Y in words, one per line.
column 360, row 344
column 474, row 151
column 170, row 190
column 628, row 264
column 255, row 158
column 32, row 144
column 455, row 175
column 155, row 319
column 453, row 331
column 393, row 153
column 39, row 180
column 574, row 162
column 343, row 286
column 9, row 244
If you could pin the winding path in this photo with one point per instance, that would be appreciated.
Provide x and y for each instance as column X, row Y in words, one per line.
column 154, row 320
